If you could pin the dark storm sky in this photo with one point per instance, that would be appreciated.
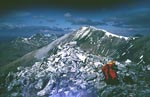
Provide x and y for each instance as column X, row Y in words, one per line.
column 124, row 17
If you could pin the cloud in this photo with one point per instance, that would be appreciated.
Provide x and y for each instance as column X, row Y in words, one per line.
column 45, row 18
column 60, row 29
column 51, row 20
column 81, row 21
column 4, row 26
column 39, row 17
column 134, row 20
column 67, row 15
column 54, row 28
column 133, row 23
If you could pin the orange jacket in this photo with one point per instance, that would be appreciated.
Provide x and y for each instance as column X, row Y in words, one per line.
column 109, row 72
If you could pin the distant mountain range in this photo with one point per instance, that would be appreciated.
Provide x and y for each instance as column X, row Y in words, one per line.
column 9, row 32
column 12, row 50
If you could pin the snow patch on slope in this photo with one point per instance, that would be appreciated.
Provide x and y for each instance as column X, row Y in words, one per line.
column 128, row 61
column 41, row 53
column 82, row 33
column 86, row 31
column 111, row 34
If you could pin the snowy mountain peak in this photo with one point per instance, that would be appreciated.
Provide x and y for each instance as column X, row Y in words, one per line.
column 114, row 35
column 83, row 32
column 86, row 31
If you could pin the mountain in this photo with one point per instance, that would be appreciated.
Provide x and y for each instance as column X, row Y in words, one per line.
column 101, row 42
column 12, row 50
column 70, row 66
column 13, row 31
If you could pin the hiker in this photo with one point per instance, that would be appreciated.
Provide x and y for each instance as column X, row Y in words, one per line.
column 109, row 71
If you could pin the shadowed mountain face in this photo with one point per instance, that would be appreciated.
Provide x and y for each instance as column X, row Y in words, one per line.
column 70, row 66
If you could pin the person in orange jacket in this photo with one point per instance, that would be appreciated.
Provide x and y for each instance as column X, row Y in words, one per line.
column 110, row 72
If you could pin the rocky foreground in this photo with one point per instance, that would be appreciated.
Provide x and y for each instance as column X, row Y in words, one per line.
column 72, row 72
